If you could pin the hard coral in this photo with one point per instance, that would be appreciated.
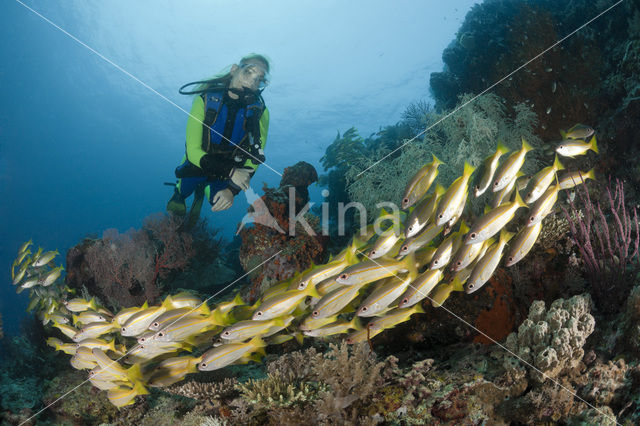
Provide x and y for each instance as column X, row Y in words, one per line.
column 550, row 341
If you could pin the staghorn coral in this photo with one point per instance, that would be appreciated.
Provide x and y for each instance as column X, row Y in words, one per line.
column 205, row 390
column 551, row 340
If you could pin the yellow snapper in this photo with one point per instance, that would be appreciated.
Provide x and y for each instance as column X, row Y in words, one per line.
column 384, row 243
column 80, row 305
column 183, row 300
column 579, row 131
column 44, row 258
column 122, row 316
column 568, row 180
column 283, row 304
column 372, row 270
column 541, row 181
column 455, row 195
column 466, row 254
column 224, row 355
column 316, row 274
column 522, row 243
column 172, row 370
column 394, row 317
column 510, row 167
column 419, row 184
column 362, row 335
column 574, row 147
column 505, row 193
column 248, row 329
column 66, row 329
column 311, row 323
column 24, row 246
column 98, row 343
column 125, row 395
column 422, row 239
column 140, row 321
column 187, row 326
column 93, row 330
column 382, row 296
column 493, row 221
column 422, row 213
column 444, row 290
column 333, row 302
column 490, row 165
column 176, row 314
column 543, row 205
column 420, row 288
column 486, row 266
column 87, row 317
column 337, row 327
column 112, row 368
column 448, row 246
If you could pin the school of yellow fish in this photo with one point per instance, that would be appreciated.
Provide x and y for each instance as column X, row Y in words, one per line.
column 426, row 251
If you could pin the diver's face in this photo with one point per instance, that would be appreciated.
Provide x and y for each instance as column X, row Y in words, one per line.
column 248, row 76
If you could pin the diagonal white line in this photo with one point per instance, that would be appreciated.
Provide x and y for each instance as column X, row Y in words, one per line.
column 492, row 86
column 116, row 360
column 118, row 67
column 490, row 338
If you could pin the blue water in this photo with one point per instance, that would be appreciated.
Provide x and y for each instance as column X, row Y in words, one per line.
column 85, row 147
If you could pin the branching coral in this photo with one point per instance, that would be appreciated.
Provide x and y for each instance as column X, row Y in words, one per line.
column 607, row 236
column 551, row 341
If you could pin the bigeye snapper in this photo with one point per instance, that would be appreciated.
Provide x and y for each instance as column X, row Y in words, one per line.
column 510, row 167
column 490, row 165
column 454, row 196
column 420, row 182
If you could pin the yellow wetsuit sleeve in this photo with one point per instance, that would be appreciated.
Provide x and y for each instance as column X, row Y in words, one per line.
column 194, row 132
column 264, row 129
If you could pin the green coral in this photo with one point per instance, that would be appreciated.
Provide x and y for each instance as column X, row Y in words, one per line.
column 277, row 390
column 468, row 133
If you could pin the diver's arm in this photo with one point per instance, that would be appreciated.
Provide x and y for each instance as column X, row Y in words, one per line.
column 251, row 163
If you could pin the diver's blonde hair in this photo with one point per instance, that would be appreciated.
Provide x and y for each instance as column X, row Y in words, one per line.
column 222, row 78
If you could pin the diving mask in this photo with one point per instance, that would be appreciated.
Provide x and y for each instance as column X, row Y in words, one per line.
column 253, row 76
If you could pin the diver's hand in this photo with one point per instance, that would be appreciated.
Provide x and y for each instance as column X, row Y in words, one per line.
column 241, row 177
column 222, row 200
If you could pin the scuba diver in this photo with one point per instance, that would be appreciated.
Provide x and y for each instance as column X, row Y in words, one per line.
column 226, row 135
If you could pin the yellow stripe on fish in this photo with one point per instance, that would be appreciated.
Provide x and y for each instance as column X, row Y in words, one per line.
column 510, row 167
column 420, row 182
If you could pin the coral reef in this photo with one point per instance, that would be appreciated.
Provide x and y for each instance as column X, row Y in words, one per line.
column 125, row 269
column 468, row 136
column 550, row 341
column 283, row 229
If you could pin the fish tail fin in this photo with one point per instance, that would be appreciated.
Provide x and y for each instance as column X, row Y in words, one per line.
column 134, row 374
column 74, row 317
column 92, row 304
column 204, row 310
column 594, row 144
column 591, row 174
column 518, row 199
column 237, row 301
column 138, row 387
column 502, row 148
column 299, row 337
column 217, row 317
column 436, row 161
column 312, row 291
column 257, row 342
column 356, row 323
column 563, row 134
column 167, row 303
column 468, row 169
column 440, row 189
column 526, row 146
column 557, row 165
column 505, row 235
column 418, row 308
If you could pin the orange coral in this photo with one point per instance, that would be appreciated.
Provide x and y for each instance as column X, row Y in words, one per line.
column 498, row 321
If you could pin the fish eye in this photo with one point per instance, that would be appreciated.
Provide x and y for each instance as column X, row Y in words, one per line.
column 510, row 258
column 226, row 333
column 259, row 313
column 344, row 276
column 435, row 262
column 473, row 236
column 315, row 313
column 124, row 329
column 531, row 219
column 364, row 309
column 405, row 300
column 459, row 262
column 161, row 334
column 155, row 324
column 203, row 365
column 440, row 216
column 405, row 200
